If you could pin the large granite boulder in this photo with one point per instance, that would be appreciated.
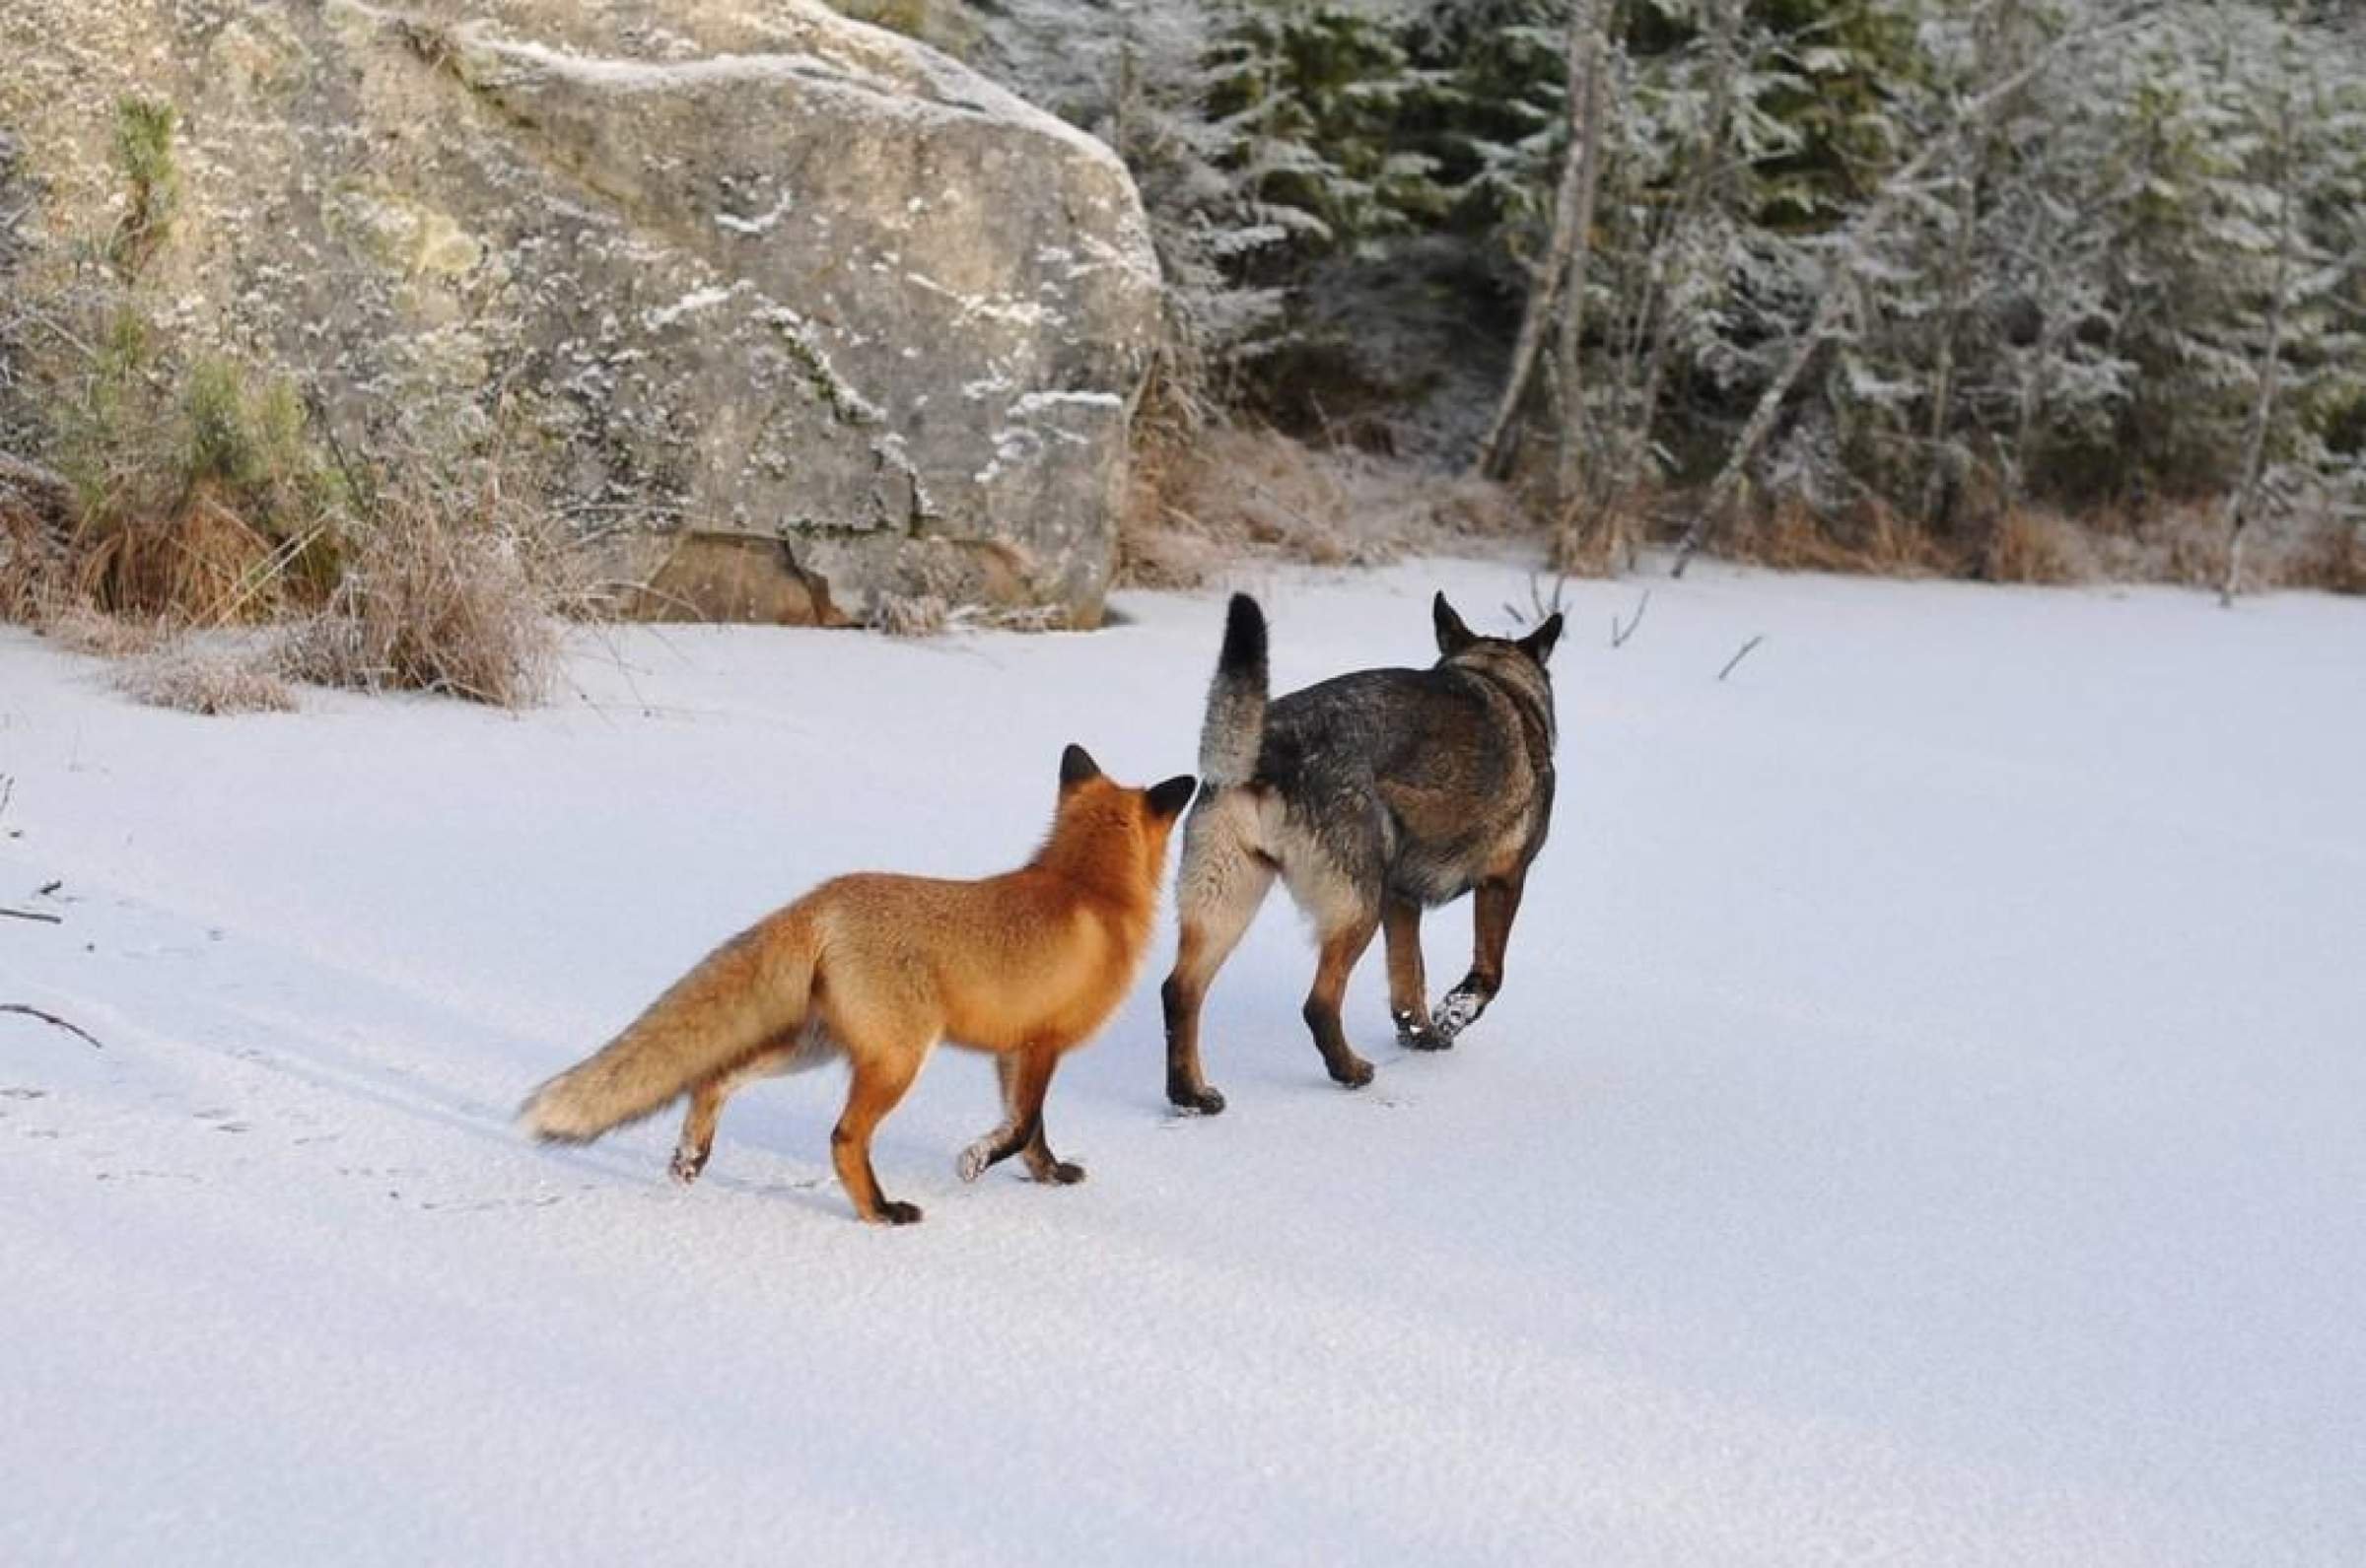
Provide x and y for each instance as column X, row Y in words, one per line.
column 795, row 312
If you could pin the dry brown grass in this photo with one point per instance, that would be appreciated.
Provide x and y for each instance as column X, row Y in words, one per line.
column 435, row 603
column 1604, row 540
column 80, row 628
column 203, row 566
column 1867, row 538
column 2334, row 558
column 1199, row 502
column 2043, row 547
column 202, row 678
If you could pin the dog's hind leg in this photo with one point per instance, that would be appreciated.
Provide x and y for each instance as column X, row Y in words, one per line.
column 1341, row 945
column 1221, row 880
column 1408, row 985
column 1494, row 906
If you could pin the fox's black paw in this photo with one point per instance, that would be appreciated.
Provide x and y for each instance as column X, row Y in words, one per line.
column 1062, row 1173
column 1352, row 1073
column 894, row 1213
column 1197, row 1102
column 686, row 1166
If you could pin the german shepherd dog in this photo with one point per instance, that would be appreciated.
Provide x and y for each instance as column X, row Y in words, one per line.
column 1373, row 797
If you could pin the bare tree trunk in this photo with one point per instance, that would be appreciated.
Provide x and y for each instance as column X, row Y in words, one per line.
column 1588, row 124
column 1994, row 35
column 1868, row 225
column 2262, row 409
column 1636, row 443
column 1544, row 292
column 1953, row 288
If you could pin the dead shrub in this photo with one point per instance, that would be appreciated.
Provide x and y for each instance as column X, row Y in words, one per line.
column 432, row 602
column 31, row 562
column 202, row 678
column 1865, row 537
column 2332, row 558
column 1205, row 499
column 1605, row 539
column 204, row 567
column 2184, row 543
column 2038, row 547
column 80, row 628
column 910, row 615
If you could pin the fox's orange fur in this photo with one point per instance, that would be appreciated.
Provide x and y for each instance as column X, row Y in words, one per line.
column 878, row 969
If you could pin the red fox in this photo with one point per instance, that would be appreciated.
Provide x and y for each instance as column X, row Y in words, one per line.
column 878, row 968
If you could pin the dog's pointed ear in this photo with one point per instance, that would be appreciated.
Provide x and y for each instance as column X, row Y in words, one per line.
column 1538, row 644
column 1168, row 799
column 1452, row 636
column 1077, row 766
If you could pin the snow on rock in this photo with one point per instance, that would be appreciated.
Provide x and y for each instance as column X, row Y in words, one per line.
column 1918, row 1124
column 587, row 222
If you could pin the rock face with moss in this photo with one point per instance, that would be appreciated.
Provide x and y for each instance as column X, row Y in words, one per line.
column 742, row 284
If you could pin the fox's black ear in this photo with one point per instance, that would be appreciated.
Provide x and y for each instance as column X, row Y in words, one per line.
column 1452, row 636
column 1077, row 766
column 1538, row 644
column 1170, row 797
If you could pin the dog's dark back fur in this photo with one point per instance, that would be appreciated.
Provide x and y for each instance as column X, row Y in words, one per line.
column 1457, row 759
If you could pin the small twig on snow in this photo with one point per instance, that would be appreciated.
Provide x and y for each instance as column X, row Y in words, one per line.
column 34, row 915
column 1618, row 637
column 1742, row 654
column 51, row 1018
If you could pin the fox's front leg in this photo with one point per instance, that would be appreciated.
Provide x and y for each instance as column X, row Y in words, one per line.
column 1041, row 1165
column 1494, row 906
column 1024, row 1080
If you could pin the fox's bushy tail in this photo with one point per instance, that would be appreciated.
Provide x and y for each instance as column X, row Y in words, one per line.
column 749, row 990
column 1234, row 729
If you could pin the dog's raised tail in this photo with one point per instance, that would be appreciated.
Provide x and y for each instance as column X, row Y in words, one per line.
column 749, row 990
column 1234, row 729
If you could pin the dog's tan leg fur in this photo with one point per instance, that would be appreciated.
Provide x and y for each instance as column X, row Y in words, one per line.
column 1408, row 983
column 1340, row 948
column 1219, row 887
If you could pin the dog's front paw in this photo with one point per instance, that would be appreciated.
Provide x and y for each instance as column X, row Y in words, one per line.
column 687, row 1163
column 1202, row 1100
column 1459, row 1010
column 895, row 1213
column 1062, row 1173
column 1414, row 1033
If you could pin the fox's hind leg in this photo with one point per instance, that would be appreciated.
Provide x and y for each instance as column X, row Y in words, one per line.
column 1221, row 881
column 1494, row 906
column 883, row 1073
column 697, row 1141
column 1407, row 985
column 1025, row 1076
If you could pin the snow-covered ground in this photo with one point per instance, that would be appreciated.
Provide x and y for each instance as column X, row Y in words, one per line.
column 1922, row 1122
